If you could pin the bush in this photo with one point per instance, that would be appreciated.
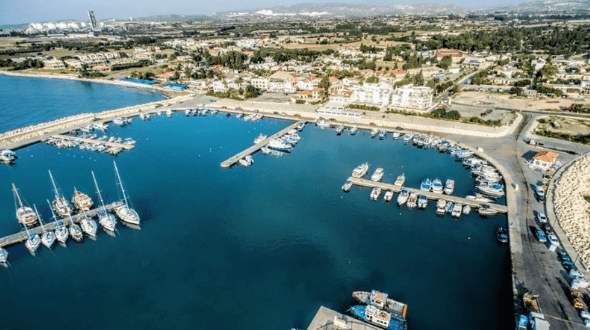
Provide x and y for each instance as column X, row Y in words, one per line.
column 300, row 102
column 363, row 107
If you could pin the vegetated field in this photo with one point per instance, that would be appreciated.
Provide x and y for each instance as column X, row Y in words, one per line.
column 501, row 100
column 573, row 126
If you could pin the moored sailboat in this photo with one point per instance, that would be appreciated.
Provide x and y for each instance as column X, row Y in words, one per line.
column 61, row 231
column 60, row 203
column 105, row 219
column 123, row 211
column 24, row 214
column 48, row 237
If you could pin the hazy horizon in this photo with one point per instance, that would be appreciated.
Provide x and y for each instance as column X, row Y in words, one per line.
column 21, row 12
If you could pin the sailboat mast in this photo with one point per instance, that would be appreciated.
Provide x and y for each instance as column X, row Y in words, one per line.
column 20, row 202
column 98, row 190
column 121, row 184
column 51, row 208
column 54, row 186
column 39, row 217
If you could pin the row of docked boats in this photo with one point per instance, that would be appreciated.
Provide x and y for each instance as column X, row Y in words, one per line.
column 97, row 144
column 436, row 186
column 377, row 308
column 63, row 212
column 147, row 116
column 7, row 156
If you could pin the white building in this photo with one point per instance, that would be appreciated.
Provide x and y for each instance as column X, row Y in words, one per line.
column 378, row 94
column 219, row 87
column 409, row 96
column 261, row 83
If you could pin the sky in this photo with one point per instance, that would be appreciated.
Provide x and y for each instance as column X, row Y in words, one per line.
column 27, row 11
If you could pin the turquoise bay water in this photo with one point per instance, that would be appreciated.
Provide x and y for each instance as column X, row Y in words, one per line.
column 249, row 248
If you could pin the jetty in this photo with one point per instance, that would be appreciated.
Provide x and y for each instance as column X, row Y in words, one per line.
column 429, row 194
column 234, row 159
column 22, row 235
column 124, row 146
column 328, row 319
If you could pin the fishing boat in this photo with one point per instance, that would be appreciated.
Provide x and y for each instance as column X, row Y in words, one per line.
column 382, row 134
column 401, row 179
column 422, row 201
column 377, row 175
column 437, row 186
column 388, row 196
column 449, row 207
column 493, row 190
column 426, row 185
column 449, row 186
column 168, row 113
column 486, row 210
column 360, row 170
column 339, row 129
column 105, row 219
column 381, row 301
column 354, row 130
column 346, row 187
column 408, row 137
column 374, row 132
column 502, row 235
column 124, row 211
column 120, row 121
column 280, row 145
column 48, row 237
column 443, row 146
column 412, row 200
column 33, row 241
column 260, row 138
column 24, row 214
column 3, row 256
column 457, row 210
column 7, row 156
column 375, row 193
column 440, row 206
column 81, row 201
column 246, row 161
column 375, row 316
column 321, row 123
column 466, row 209
column 60, row 204
column 265, row 150
column 300, row 126
column 402, row 198
column 395, row 135
column 61, row 232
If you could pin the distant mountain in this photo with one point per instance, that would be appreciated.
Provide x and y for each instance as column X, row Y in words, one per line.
column 172, row 18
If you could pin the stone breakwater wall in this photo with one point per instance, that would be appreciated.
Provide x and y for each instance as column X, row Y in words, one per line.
column 571, row 209
column 78, row 121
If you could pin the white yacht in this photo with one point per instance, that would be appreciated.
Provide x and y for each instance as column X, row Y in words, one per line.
column 48, row 237
column 437, row 186
column 466, row 209
column 408, row 137
column 402, row 198
column 265, row 150
column 24, row 214
column 339, row 129
column 346, row 187
column 260, row 138
column 60, row 203
column 81, row 201
column 449, row 186
column 401, row 179
column 88, row 225
column 388, row 196
column 395, row 135
column 33, row 241
column 61, row 231
column 280, row 145
column 105, row 219
column 76, row 231
column 124, row 211
column 7, row 156
column 360, row 170
column 3, row 256
column 440, row 206
column 169, row 113
column 321, row 123
column 354, row 130
column 246, row 161
column 300, row 126
column 187, row 112
column 377, row 175
column 412, row 200
column 375, row 193
column 382, row 134
column 120, row 121
column 457, row 210
column 374, row 132
column 495, row 190
column 422, row 201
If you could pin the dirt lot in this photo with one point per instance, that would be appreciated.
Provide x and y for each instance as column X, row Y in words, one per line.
column 488, row 99
column 572, row 126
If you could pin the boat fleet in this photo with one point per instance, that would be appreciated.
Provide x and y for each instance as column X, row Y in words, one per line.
column 415, row 199
column 97, row 144
column 63, row 213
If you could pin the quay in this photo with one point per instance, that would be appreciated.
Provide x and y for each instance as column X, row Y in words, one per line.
column 327, row 319
column 91, row 141
column 22, row 235
column 234, row 159
column 430, row 195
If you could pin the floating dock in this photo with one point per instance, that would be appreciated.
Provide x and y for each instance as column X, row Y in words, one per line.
column 327, row 319
column 234, row 159
column 429, row 194
column 22, row 235
column 124, row 146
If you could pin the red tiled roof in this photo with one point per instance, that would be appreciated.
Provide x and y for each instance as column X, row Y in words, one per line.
column 546, row 156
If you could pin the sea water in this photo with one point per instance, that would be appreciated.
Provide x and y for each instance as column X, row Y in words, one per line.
column 260, row 247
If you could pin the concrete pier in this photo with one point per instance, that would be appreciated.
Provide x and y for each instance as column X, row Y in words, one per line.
column 91, row 141
column 327, row 319
column 22, row 235
column 234, row 159
column 430, row 195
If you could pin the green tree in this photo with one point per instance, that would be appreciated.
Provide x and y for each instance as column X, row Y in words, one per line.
column 548, row 70
column 445, row 62
column 373, row 79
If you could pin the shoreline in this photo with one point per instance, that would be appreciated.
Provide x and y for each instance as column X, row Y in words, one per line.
column 167, row 93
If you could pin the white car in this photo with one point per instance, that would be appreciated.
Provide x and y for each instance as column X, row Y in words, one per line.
column 541, row 218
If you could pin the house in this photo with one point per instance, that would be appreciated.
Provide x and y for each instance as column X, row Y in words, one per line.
column 73, row 63
column 54, row 64
column 456, row 55
column 303, row 95
column 219, row 86
column 261, row 83
column 317, row 93
column 544, row 159
column 166, row 75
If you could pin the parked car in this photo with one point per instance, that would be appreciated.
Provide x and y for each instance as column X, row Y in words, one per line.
column 541, row 236
column 541, row 218
column 540, row 193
